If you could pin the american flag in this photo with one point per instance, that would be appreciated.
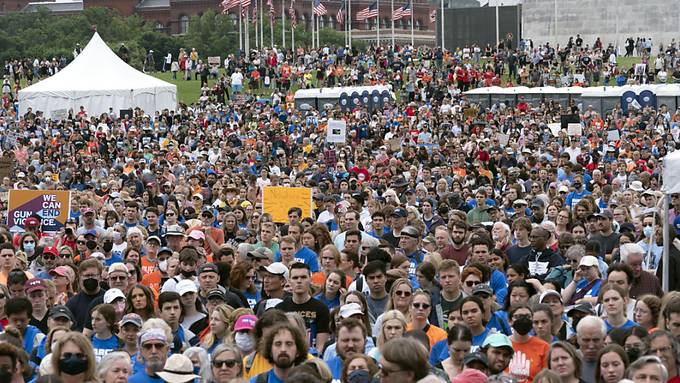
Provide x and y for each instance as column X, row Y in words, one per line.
column 403, row 11
column 245, row 3
column 255, row 12
column 229, row 4
column 368, row 12
column 293, row 18
column 319, row 9
column 433, row 16
column 340, row 17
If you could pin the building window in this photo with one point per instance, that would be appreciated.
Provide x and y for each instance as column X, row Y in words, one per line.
column 160, row 27
column 183, row 24
column 418, row 25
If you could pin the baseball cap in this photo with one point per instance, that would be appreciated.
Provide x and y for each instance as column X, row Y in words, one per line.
column 399, row 212
column 198, row 195
column 277, row 268
column 133, row 318
column 497, row 340
column 588, row 260
column 349, row 309
column 520, row 202
column 563, row 189
column 261, row 253
column 482, row 288
column 549, row 292
column 61, row 311
column 118, row 267
column 113, row 294
column 31, row 221
column 410, row 231
column 584, row 307
column 195, row 234
column 475, row 357
column 63, row 271
column 207, row 210
column 51, row 250
column 245, row 322
column 186, row 286
column 154, row 238
column 88, row 210
column 174, row 230
column 164, row 250
column 217, row 293
column 537, row 202
column 208, row 268
column 34, row 284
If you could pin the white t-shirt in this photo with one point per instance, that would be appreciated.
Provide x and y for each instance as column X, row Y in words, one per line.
column 237, row 78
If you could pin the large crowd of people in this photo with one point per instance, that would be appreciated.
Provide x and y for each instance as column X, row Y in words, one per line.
column 447, row 242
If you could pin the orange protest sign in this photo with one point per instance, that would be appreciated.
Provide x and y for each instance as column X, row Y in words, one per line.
column 277, row 200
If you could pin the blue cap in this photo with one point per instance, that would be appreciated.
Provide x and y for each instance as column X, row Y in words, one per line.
column 399, row 212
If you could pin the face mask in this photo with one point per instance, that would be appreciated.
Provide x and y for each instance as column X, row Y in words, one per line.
column 117, row 236
column 163, row 265
column 72, row 365
column 29, row 247
column 90, row 284
column 5, row 376
column 577, row 185
column 188, row 274
column 91, row 245
column 633, row 353
column 359, row 376
column 107, row 246
column 522, row 325
column 197, row 370
column 244, row 342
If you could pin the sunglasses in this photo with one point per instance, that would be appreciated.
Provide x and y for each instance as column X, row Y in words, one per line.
column 149, row 346
column 64, row 255
column 170, row 214
column 49, row 257
column 119, row 278
column 80, row 242
column 402, row 293
column 423, row 306
column 472, row 283
column 229, row 363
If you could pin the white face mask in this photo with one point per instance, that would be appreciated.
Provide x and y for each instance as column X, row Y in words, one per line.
column 163, row 265
column 244, row 342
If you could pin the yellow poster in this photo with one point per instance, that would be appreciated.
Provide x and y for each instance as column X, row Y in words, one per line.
column 277, row 200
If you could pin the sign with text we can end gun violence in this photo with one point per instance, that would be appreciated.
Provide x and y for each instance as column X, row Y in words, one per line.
column 52, row 206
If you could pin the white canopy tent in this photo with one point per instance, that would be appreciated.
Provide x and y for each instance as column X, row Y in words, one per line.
column 98, row 80
column 670, row 185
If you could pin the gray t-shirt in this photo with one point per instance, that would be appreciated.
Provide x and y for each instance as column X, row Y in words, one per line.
column 375, row 307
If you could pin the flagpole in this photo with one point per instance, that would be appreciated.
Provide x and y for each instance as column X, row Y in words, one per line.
column 349, row 23
column 271, row 26
column 392, row 17
column 312, row 23
column 240, row 28
column 377, row 29
column 413, row 45
column 261, row 24
column 247, row 35
column 257, row 38
column 442, row 20
column 292, row 38
column 283, row 24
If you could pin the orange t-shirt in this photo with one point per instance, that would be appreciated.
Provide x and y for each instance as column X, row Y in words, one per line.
column 148, row 267
column 535, row 352
column 319, row 278
column 434, row 333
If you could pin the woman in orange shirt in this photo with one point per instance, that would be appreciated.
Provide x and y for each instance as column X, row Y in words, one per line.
column 421, row 306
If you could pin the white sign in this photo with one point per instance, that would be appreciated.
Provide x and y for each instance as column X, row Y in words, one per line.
column 555, row 128
column 214, row 61
column 613, row 135
column 336, row 132
column 574, row 129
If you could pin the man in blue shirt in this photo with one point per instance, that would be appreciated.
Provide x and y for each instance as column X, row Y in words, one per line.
column 410, row 243
column 153, row 349
column 351, row 341
column 578, row 194
column 284, row 347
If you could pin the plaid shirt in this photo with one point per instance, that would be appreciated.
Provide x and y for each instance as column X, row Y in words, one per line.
column 648, row 283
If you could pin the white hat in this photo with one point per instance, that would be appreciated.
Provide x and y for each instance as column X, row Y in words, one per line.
column 178, row 369
column 277, row 268
column 636, row 186
column 349, row 309
column 186, row 286
column 563, row 188
column 113, row 294
column 588, row 260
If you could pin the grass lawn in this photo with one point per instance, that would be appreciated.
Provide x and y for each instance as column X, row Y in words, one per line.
column 189, row 91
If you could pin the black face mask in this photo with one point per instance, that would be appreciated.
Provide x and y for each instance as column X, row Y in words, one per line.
column 91, row 245
column 107, row 246
column 90, row 284
column 577, row 185
column 73, row 365
column 522, row 325
column 5, row 376
column 188, row 274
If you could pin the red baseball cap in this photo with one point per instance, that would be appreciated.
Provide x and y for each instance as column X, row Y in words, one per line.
column 51, row 250
column 31, row 221
column 34, row 284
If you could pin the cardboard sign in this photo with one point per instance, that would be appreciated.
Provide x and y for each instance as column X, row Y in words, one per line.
column 52, row 206
column 336, row 132
column 277, row 200
column 214, row 60
column 503, row 139
column 574, row 129
column 394, row 144
column 613, row 135
column 555, row 128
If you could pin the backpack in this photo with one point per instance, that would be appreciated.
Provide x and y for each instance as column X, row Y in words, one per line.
column 262, row 378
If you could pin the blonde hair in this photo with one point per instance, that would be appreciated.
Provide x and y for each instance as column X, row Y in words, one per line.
column 83, row 343
column 388, row 316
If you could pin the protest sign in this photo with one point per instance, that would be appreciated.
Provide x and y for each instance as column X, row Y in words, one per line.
column 574, row 129
column 276, row 200
column 555, row 128
column 613, row 135
column 336, row 131
column 52, row 206
column 214, row 60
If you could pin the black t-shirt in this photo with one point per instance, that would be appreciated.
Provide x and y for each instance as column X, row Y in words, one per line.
column 315, row 314
column 40, row 324
column 79, row 305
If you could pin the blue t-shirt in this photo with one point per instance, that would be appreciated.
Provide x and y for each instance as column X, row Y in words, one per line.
column 478, row 340
column 304, row 255
column 252, row 298
column 143, row 377
column 104, row 346
column 498, row 323
column 335, row 365
column 114, row 259
column 332, row 303
column 271, row 378
column 440, row 351
column 629, row 324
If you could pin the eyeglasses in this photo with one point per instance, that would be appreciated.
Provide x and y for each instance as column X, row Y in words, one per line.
column 472, row 283
column 229, row 363
column 385, row 372
column 64, row 255
column 49, row 257
column 421, row 306
column 170, row 214
column 401, row 293
column 661, row 350
column 149, row 346
column 69, row 355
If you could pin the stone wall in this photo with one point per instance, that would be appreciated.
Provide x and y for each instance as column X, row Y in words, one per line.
column 612, row 21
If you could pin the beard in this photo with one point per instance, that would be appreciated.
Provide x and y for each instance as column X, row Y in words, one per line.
column 283, row 361
column 155, row 364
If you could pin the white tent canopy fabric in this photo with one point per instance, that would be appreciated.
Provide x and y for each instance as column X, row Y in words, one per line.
column 98, row 80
